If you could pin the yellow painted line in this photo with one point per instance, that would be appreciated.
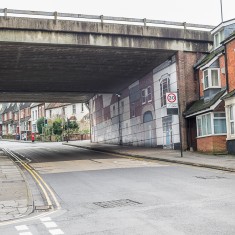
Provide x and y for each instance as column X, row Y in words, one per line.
column 34, row 176
column 48, row 188
column 45, row 184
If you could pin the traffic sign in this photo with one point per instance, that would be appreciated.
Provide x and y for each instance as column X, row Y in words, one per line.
column 171, row 100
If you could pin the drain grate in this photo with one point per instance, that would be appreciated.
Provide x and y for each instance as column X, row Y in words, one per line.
column 117, row 203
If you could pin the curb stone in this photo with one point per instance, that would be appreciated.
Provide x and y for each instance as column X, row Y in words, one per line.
column 156, row 158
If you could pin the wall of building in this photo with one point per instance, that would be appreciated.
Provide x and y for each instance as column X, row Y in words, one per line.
column 141, row 121
column 212, row 144
column 230, row 47
column 81, row 111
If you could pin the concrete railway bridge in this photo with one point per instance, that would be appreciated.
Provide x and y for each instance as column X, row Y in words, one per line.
column 51, row 56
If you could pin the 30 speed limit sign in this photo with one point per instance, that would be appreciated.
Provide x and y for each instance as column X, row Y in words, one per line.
column 171, row 100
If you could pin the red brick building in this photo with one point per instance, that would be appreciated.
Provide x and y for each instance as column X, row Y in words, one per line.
column 206, row 117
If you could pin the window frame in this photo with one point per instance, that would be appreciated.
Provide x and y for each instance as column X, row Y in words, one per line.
column 209, row 72
column 203, row 132
column 231, row 121
column 162, row 91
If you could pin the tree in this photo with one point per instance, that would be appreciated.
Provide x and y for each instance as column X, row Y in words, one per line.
column 57, row 126
column 40, row 124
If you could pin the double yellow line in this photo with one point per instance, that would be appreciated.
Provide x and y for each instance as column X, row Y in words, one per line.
column 42, row 184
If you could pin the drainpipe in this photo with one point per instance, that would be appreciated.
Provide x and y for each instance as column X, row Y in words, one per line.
column 119, row 120
column 226, row 67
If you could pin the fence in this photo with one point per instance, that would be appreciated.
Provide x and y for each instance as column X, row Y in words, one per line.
column 145, row 22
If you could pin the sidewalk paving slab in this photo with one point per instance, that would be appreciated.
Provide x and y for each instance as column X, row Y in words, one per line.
column 219, row 162
column 15, row 196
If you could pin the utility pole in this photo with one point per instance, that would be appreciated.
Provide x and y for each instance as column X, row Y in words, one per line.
column 19, row 123
column 119, row 120
column 221, row 10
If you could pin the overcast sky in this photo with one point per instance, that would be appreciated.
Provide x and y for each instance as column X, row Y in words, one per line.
column 192, row 11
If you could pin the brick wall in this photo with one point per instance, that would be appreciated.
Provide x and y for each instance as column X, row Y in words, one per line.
column 212, row 144
column 231, row 64
column 187, row 84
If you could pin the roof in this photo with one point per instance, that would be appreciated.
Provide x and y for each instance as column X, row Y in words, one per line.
column 10, row 108
column 221, row 25
column 201, row 105
column 207, row 58
column 24, row 105
column 229, row 38
column 229, row 95
column 56, row 105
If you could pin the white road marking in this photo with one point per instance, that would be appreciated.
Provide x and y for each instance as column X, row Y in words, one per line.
column 26, row 233
column 45, row 219
column 21, row 227
column 50, row 224
column 56, row 231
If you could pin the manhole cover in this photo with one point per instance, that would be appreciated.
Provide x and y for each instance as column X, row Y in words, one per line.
column 117, row 203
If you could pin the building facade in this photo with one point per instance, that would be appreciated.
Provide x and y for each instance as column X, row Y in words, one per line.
column 137, row 115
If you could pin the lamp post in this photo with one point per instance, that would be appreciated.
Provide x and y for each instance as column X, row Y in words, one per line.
column 19, row 123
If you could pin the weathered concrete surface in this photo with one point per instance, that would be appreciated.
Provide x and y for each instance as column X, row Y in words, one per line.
column 83, row 58
column 15, row 200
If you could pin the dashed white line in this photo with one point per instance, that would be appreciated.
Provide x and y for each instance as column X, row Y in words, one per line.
column 50, row 224
column 26, row 233
column 21, row 227
column 45, row 219
column 56, row 231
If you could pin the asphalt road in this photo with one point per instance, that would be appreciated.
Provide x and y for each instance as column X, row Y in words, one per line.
column 105, row 194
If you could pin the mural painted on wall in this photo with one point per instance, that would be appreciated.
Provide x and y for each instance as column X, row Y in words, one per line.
column 137, row 115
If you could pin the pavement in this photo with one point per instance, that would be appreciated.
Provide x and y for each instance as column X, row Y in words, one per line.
column 15, row 197
column 219, row 162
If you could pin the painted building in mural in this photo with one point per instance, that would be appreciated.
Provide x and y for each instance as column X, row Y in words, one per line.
column 137, row 115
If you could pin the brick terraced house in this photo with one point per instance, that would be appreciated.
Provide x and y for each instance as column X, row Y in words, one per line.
column 206, row 117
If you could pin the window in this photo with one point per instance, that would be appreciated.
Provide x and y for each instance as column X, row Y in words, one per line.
column 148, row 117
column 122, row 107
column 218, row 38
column 219, row 123
column 82, row 107
column 33, row 115
column 143, row 96
column 146, row 95
column 149, row 91
column 74, row 108
column 36, row 114
column 211, row 78
column 133, row 110
column 114, row 110
column 231, row 119
column 50, row 113
column 204, row 125
column 164, row 88
column 207, row 121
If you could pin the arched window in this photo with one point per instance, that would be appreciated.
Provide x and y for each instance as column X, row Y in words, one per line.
column 148, row 117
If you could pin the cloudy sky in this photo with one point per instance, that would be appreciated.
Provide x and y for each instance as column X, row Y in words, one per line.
column 192, row 11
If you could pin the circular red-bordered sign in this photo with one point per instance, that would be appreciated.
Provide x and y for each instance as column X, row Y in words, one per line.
column 171, row 98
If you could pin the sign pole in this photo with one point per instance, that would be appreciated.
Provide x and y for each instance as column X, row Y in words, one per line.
column 179, row 115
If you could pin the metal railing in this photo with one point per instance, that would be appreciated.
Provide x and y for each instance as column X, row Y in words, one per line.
column 102, row 18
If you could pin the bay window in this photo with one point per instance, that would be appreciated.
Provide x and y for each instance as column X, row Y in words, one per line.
column 211, row 124
column 211, row 78
column 231, row 119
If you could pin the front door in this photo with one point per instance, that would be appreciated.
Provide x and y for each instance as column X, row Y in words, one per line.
column 167, row 132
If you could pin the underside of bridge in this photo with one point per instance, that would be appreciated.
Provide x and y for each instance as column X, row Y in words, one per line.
column 43, row 60
column 65, row 73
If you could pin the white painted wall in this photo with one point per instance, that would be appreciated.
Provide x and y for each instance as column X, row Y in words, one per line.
column 161, row 111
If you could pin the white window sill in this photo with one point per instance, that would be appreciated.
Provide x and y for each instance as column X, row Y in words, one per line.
column 203, row 136
column 211, row 87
